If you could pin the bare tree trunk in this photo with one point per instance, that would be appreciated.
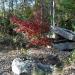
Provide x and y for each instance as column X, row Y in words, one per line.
column 23, row 6
column 44, row 13
column 3, row 7
column 10, row 6
column 53, row 16
column 16, row 10
column 44, row 10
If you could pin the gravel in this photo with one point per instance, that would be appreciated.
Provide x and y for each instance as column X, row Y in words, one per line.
column 7, row 56
column 6, row 59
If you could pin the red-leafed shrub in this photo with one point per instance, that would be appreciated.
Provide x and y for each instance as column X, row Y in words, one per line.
column 42, row 41
column 35, row 28
column 26, row 26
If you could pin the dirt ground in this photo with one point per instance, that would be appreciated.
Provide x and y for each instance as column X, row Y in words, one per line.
column 6, row 57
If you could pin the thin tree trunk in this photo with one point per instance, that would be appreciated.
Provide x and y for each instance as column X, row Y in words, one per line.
column 3, row 7
column 10, row 6
column 53, row 16
column 16, row 1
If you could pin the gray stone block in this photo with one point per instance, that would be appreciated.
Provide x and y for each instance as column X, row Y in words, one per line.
column 68, row 34
column 64, row 45
column 20, row 67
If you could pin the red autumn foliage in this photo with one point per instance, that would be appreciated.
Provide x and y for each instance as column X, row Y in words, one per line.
column 36, row 27
column 26, row 26
column 42, row 41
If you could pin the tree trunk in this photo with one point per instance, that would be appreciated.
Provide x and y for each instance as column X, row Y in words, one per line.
column 3, row 7
column 53, row 16
column 10, row 6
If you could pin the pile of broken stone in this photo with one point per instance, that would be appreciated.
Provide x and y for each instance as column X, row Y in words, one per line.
column 46, row 58
column 68, row 41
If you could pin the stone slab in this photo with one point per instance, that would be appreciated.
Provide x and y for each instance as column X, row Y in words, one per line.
column 64, row 45
column 68, row 34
